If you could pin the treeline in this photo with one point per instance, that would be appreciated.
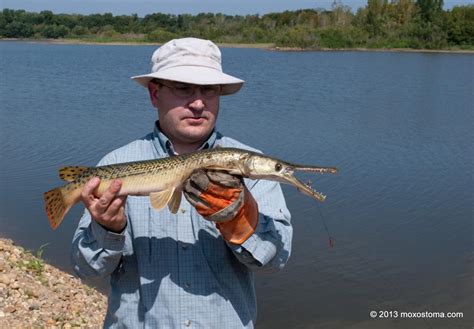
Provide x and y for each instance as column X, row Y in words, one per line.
column 380, row 24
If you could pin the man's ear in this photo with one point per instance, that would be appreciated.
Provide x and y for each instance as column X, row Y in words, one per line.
column 152, row 90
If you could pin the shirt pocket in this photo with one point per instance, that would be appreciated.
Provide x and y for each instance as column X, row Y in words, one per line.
column 149, row 227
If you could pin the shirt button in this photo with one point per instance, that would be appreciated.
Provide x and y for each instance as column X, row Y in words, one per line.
column 187, row 323
column 183, row 211
column 187, row 285
column 184, row 246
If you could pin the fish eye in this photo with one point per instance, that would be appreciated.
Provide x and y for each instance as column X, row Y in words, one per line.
column 278, row 166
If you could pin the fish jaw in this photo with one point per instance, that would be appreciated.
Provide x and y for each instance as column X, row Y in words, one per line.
column 262, row 167
column 287, row 176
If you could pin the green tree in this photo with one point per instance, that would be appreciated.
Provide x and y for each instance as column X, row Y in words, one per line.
column 54, row 31
column 17, row 30
column 80, row 30
column 160, row 35
column 376, row 10
column 46, row 17
column 340, row 15
column 430, row 9
column 402, row 11
column 298, row 36
column 460, row 25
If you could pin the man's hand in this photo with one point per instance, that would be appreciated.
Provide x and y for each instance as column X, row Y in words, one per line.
column 223, row 198
column 108, row 210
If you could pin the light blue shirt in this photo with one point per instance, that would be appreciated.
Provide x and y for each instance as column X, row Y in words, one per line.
column 175, row 270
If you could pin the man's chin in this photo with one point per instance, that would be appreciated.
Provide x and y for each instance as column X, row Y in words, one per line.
column 194, row 134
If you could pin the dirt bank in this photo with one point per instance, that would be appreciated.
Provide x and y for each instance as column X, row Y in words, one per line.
column 35, row 294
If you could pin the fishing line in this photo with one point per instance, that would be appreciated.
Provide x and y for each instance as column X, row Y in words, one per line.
column 330, row 237
column 362, row 260
column 323, row 220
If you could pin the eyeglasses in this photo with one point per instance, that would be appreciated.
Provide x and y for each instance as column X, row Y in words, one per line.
column 184, row 90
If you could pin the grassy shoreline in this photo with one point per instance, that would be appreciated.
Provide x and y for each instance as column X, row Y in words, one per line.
column 264, row 46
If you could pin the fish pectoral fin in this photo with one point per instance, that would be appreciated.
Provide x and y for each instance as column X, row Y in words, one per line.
column 233, row 171
column 170, row 197
column 69, row 174
column 175, row 201
column 159, row 199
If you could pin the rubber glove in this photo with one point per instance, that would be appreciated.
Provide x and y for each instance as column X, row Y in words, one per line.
column 223, row 198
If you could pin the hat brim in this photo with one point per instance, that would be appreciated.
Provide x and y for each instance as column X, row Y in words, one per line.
column 194, row 75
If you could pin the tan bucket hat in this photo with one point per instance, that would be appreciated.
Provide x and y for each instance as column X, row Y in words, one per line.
column 190, row 60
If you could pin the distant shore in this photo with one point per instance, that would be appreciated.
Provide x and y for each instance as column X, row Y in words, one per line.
column 265, row 46
column 131, row 43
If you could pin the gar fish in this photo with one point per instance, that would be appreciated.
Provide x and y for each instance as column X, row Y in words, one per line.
column 162, row 179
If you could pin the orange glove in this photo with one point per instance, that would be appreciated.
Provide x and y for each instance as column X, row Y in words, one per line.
column 223, row 198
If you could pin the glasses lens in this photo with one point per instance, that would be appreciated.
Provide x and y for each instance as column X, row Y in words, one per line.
column 212, row 90
column 183, row 90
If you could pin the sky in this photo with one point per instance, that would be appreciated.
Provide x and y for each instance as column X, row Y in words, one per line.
column 144, row 7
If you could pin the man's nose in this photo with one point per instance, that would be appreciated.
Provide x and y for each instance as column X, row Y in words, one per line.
column 197, row 103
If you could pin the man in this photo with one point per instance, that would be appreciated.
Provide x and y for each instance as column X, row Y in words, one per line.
column 194, row 268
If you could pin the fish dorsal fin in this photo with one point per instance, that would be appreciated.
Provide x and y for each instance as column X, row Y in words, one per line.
column 175, row 201
column 159, row 199
column 69, row 174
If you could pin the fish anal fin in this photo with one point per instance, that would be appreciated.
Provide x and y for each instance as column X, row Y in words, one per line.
column 160, row 199
column 175, row 201
column 70, row 173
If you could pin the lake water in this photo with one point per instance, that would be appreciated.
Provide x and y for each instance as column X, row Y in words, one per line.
column 399, row 126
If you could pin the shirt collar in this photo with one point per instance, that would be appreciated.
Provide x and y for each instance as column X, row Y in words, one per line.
column 164, row 146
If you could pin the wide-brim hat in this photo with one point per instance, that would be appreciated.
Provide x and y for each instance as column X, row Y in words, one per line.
column 190, row 60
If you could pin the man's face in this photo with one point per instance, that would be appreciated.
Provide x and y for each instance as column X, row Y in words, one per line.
column 186, row 120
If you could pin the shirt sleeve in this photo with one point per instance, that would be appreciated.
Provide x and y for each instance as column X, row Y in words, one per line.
column 269, row 247
column 97, row 252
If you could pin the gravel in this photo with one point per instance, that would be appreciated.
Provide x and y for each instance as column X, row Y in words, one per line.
column 36, row 294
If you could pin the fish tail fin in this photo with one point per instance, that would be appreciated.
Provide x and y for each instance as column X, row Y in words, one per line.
column 57, row 204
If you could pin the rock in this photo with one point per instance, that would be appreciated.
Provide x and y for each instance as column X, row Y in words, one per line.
column 15, row 293
column 5, row 278
column 9, row 309
column 2, row 314
column 50, row 322
column 34, row 306
column 64, row 297
column 32, row 292
column 5, row 246
column 15, row 285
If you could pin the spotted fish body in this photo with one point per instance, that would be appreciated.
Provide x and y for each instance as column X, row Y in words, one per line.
column 162, row 179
